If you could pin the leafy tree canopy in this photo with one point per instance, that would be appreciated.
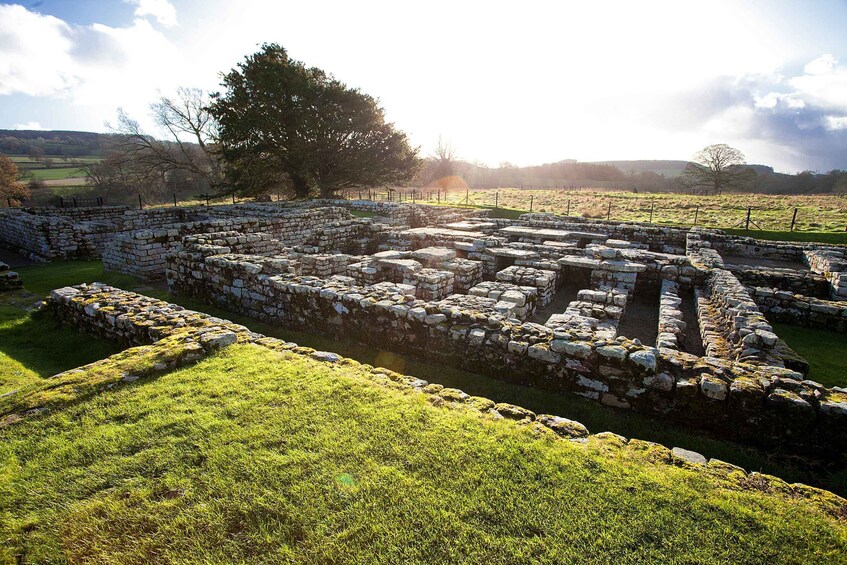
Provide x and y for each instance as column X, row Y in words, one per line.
column 11, row 189
column 282, row 123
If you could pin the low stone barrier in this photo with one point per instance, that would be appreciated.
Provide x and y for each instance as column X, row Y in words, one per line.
column 807, row 283
column 178, row 337
column 672, row 328
column 798, row 310
column 757, row 403
column 142, row 252
column 9, row 279
column 832, row 264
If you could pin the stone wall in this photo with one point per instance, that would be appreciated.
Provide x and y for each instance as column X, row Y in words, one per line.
column 142, row 252
column 413, row 215
column 763, row 404
column 38, row 237
column 656, row 238
column 807, row 283
column 9, row 279
column 799, row 310
column 173, row 337
column 736, row 317
column 832, row 264
column 672, row 328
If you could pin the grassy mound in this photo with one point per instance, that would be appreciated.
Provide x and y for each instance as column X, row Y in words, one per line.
column 262, row 456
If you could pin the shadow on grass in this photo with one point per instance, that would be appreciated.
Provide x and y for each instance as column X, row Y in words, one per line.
column 41, row 345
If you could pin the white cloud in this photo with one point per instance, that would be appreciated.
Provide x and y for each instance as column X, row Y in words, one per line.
column 822, row 65
column 34, row 53
column 29, row 126
column 836, row 122
column 825, row 87
column 162, row 10
column 90, row 66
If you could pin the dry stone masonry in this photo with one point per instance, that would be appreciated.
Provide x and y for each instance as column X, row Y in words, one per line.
column 168, row 336
column 9, row 279
column 540, row 300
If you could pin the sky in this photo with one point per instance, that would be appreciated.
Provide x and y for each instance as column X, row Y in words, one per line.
column 524, row 83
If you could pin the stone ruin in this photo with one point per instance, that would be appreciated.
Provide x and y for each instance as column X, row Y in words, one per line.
column 9, row 280
column 661, row 320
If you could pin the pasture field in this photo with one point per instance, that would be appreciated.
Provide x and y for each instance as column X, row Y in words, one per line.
column 815, row 213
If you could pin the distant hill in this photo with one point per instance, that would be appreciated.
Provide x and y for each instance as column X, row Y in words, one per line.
column 668, row 168
column 52, row 143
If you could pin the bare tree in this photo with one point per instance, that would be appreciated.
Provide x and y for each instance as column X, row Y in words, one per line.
column 190, row 143
column 717, row 168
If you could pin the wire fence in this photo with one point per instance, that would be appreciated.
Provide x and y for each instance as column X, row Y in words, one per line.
column 811, row 213
column 816, row 213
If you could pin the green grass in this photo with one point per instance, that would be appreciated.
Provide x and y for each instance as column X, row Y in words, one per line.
column 816, row 213
column 34, row 346
column 57, row 173
column 819, row 237
column 41, row 279
column 263, row 457
column 825, row 351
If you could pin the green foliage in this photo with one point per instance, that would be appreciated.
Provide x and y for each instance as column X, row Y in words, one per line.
column 282, row 122
column 11, row 188
column 257, row 456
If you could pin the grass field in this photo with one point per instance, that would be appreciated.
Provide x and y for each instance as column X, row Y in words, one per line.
column 816, row 213
column 41, row 279
column 265, row 457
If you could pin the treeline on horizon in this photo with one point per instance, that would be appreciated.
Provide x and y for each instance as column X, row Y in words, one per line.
column 644, row 175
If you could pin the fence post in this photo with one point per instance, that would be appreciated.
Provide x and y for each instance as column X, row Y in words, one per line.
column 174, row 199
column 747, row 225
column 793, row 219
column 140, row 206
column 568, row 213
column 496, row 199
column 651, row 211
column 531, row 198
column 696, row 212
column 61, row 202
column 75, row 201
column 609, row 212
column 438, row 196
column 9, row 202
column 233, row 198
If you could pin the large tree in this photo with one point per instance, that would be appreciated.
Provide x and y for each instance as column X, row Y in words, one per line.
column 282, row 123
column 717, row 168
column 12, row 191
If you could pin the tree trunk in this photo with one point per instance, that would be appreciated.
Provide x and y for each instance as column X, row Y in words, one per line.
column 327, row 192
column 301, row 186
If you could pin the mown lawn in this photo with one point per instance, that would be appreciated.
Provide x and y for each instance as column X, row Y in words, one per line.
column 41, row 279
column 263, row 457
column 825, row 351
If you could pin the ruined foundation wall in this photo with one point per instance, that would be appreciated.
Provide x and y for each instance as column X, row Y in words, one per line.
column 798, row 310
column 9, row 279
column 762, row 404
column 142, row 252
